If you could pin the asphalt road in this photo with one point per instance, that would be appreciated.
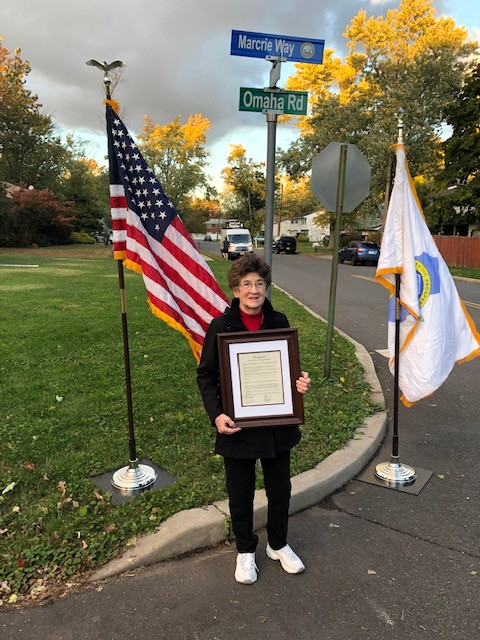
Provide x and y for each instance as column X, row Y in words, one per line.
column 380, row 563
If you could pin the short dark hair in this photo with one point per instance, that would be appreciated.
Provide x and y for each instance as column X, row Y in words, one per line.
column 249, row 263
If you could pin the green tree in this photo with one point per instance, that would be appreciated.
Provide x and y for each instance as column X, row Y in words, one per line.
column 197, row 211
column 245, row 180
column 85, row 183
column 30, row 153
column 458, row 184
column 407, row 60
column 177, row 155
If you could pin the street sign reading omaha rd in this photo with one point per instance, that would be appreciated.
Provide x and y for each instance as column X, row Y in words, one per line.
column 289, row 102
column 268, row 45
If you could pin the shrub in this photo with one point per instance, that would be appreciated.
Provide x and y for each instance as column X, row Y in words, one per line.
column 302, row 237
column 80, row 237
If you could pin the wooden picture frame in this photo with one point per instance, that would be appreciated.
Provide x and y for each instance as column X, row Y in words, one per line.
column 258, row 373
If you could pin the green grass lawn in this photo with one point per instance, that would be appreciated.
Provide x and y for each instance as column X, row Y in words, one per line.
column 63, row 413
column 465, row 272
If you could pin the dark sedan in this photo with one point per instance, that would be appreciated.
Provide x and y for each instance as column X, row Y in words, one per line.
column 359, row 252
column 284, row 243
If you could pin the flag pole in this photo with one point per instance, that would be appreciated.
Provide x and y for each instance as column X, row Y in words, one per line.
column 393, row 472
column 133, row 476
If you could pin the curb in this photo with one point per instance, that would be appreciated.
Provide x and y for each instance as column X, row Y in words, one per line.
column 194, row 529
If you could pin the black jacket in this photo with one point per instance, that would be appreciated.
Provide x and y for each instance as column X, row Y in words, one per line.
column 264, row 442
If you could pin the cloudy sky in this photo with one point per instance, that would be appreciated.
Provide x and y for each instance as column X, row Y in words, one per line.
column 178, row 58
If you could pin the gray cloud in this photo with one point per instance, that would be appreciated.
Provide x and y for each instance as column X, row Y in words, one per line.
column 176, row 51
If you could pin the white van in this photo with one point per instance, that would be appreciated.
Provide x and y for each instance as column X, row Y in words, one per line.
column 235, row 242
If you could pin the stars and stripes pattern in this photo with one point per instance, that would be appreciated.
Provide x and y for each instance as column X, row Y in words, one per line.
column 150, row 237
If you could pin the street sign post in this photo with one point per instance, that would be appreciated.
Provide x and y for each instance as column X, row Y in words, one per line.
column 341, row 181
column 273, row 101
column 262, row 100
column 269, row 46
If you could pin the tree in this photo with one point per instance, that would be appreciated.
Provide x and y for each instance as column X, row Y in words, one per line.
column 245, row 181
column 459, row 183
column 85, row 183
column 30, row 153
column 36, row 217
column 197, row 211
column 295, row 197
column 406, row 60
column 177, row 155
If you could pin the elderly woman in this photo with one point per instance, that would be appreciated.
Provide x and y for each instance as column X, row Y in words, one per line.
column 249, row 277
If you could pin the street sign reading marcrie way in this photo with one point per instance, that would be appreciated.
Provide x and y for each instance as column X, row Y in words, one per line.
column 268, row 45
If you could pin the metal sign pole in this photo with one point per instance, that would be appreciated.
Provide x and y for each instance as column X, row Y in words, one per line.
column 334, row 272
column 270, row 192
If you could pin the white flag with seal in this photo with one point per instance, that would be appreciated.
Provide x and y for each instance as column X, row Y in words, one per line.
column 435, row 329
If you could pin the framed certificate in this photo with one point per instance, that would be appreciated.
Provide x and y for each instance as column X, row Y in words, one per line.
column 258, row 371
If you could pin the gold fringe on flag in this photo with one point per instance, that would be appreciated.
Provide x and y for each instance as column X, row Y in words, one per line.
column 114, row 104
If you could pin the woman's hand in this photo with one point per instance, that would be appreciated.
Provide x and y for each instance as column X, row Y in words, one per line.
column 303, row 383
column 225, row 425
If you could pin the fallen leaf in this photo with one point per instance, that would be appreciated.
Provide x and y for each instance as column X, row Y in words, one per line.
column 9, row 487
column 441, row 476
column 334, row 526
column 371, row 572
column 2, row 531
column 474, row 573
column 13, row 598
column 30, row 466
column 58, row 398
column 16, row 509
column 61, row 485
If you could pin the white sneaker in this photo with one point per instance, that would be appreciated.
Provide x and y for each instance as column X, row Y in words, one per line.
column 289, row 560
column 246, row 569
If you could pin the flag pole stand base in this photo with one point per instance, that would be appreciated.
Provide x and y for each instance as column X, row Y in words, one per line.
column 134, row 477
column 395, row 473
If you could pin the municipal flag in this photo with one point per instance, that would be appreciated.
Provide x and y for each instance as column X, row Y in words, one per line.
column 150, row 237
column 435, row 329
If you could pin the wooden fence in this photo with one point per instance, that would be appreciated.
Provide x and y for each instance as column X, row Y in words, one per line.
column 459, row 251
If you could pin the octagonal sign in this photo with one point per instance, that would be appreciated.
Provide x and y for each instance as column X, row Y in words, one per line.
column 326, row 171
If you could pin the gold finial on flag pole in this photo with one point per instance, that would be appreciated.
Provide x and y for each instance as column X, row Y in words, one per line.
column 106, row 67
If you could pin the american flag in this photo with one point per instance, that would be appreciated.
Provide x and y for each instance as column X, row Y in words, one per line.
column 150, row 237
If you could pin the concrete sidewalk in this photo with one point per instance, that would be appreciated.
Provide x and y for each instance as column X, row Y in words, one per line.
column 194, row 529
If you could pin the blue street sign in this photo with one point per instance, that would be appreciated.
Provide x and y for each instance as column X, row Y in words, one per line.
column 267, row 45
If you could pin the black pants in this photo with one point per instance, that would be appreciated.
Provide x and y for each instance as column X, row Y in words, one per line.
column 241, row 490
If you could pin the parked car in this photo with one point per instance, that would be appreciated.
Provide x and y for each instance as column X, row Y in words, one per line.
column 360, row 252
column 284, row 243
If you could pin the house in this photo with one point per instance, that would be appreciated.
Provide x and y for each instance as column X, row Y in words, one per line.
column 212, row 228
column 302, row 225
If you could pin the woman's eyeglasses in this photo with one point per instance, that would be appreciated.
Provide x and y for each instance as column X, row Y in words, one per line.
column 246, row 286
